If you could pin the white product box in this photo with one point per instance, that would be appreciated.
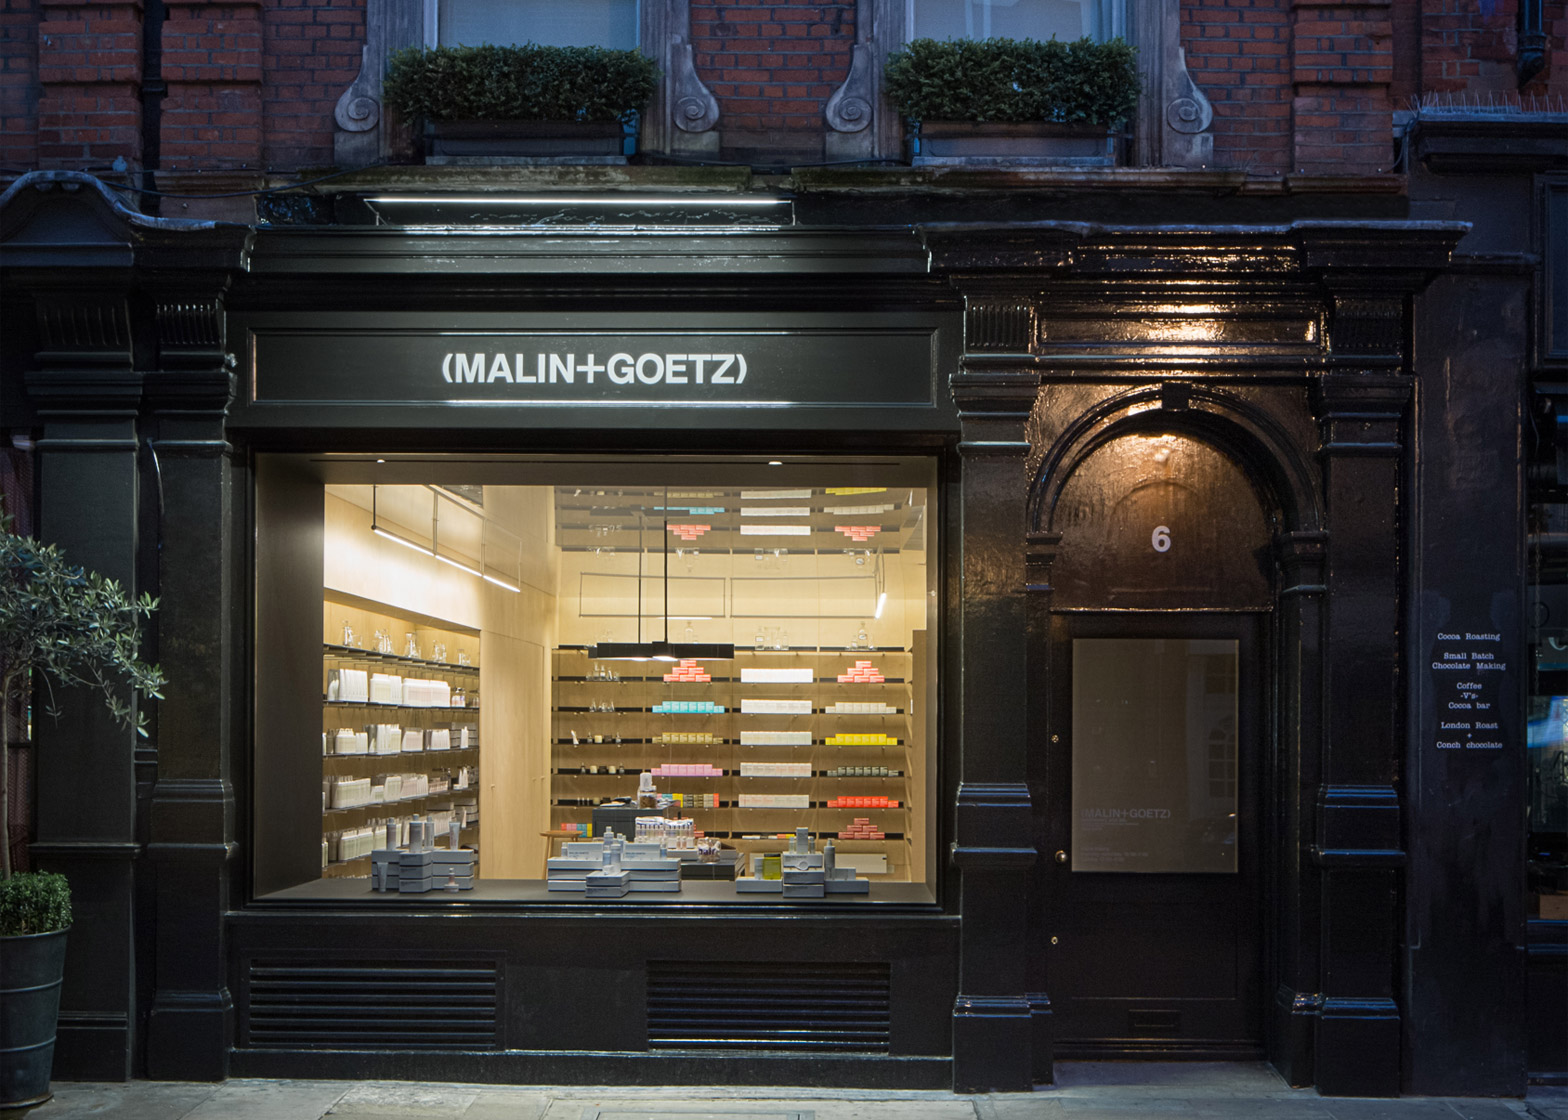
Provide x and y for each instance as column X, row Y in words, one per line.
column 775, row 738
column 768, row 495
column 858, row 511
column 775, row 511
column 843, row 708
column 775, row 769
column 775, row 801
column 775, row 676
column 775, row 707
column 775, row 530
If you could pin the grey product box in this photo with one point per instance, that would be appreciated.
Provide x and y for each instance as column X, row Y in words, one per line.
column 384, row 869
column 449, row 865
column 622, row 818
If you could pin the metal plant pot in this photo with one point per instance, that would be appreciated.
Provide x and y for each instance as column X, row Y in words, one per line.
column 31, row 967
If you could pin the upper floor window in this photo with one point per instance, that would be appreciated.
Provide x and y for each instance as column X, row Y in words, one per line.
column 1012, row 19
column 580, row 23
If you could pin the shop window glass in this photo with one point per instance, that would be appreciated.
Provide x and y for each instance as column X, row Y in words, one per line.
column 599, row 23
column 1009, row 19
column 478, row 678
column 1547, row 742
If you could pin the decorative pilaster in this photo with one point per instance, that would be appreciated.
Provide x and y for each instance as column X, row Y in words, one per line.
column 995, row 1016
column 87, row 395
column 191, row 839
column 1358, row 849
column 113, row 290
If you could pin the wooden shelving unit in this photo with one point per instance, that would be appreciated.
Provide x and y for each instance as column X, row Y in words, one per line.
column 619, row 734
column 365, row 619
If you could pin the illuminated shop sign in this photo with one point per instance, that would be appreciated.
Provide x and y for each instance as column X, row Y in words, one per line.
column 842, row 366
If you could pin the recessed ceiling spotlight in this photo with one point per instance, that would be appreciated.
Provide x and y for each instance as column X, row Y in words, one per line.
column 775, row 462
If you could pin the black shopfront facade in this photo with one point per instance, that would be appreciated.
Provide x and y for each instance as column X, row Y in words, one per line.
column 1236, row 445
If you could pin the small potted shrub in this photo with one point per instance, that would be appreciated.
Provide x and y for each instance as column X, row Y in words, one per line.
column 1014, row 100
column 60, row 626
column 523, row 104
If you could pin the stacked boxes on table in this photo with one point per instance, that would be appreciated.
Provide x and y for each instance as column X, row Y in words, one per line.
column 613, row 868
column 422, row 866
column 803, row 873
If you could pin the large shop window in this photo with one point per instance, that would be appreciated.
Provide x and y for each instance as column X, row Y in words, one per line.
column 741, row 665
column 1546, row 812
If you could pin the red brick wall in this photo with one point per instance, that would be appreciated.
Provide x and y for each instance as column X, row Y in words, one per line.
column 89, row 74
column 1554, row 79
column 1238, row 51
column 1470, row 46
column 311, row 53
column 1342, row 64
column 772, row 66
column 19, row 84
column 211, row 116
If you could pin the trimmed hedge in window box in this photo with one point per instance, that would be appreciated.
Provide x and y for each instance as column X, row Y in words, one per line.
column 523, row 102
column 1013, row 100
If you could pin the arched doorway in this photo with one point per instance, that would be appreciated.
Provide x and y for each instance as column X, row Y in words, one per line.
column 1153, row 767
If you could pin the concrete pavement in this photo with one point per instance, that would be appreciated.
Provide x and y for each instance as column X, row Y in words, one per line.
column 1084, row 1091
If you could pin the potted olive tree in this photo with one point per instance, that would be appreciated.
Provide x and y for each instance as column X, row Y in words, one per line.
column 523, row 104
column 1018, row 101
column 60, row 627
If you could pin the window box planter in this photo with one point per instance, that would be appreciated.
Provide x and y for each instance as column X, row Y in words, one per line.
column 1011, row 144
column 522, row 104
column 1013, row 102
column 528, row 142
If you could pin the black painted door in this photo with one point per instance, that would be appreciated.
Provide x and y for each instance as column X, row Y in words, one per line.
column 1153, row 900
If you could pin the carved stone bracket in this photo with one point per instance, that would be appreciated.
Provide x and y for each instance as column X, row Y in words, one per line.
column 366, row 133
column 1176, row 133
column 693, row 105
column 851, row 106
column 359, row 107
column 1189, row 115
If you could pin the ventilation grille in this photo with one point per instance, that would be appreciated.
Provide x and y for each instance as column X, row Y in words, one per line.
column 370, row 1005
column 738, row 1005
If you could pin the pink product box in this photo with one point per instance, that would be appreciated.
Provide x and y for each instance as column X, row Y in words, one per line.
column 688, row 672
column 862, row 829
column 687, row 770
column 862, row 672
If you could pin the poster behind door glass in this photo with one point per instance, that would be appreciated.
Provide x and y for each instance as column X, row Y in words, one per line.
column 1154, row 755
